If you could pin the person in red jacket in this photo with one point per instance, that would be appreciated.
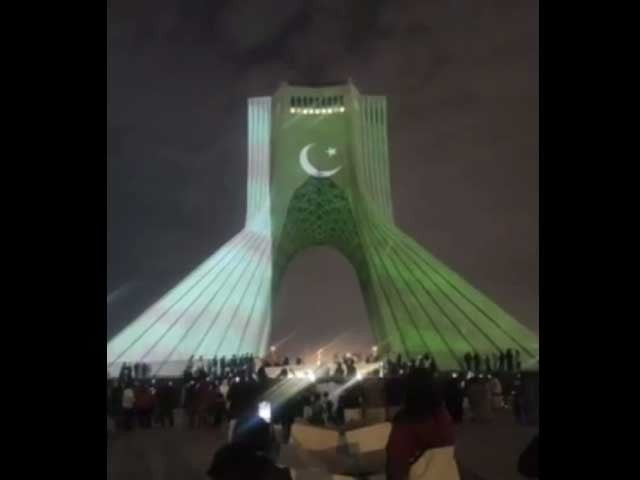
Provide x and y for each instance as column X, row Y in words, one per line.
column 422, row 424
column 145, row 403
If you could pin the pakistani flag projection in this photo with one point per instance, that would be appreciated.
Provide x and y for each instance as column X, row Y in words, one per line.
column 318, row 174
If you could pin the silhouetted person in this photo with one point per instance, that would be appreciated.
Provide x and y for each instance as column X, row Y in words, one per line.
column 286, row 361
column 190, row 402
column 476, row 362
column 339, row 370
column 249, row 457
column 428, row 361
column 494, row 361
column 125, row 373
column 298, row 361
column 501, row 361
column 190, row 363
column 528, row 461
column 218, row 406
column 423, row 424
column 393, row 368
column 146, row 370
column 433, row 367
column 468, row 358
column 327, row 405
column 167, row 402
column 137, row 370
column 518, row 361
column 115, row 401
column 128, row 406
column 243, row 400
column 144, row 405
column 263, row 382
column 412, row 364
column 286, row 411
column 454, row 398
column 351, row 369
column 509, row 359
column 187, row 376
column 518, row 402
column 317, row 411
column 487, row 364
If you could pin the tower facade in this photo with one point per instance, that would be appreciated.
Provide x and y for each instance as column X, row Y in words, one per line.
column 318, row 174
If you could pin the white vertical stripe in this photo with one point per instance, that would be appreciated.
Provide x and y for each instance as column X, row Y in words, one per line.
column 387, row 166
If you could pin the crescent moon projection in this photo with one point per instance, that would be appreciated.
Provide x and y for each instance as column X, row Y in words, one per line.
column 310, row 169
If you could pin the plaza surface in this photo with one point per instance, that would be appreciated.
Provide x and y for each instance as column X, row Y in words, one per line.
column 485, row 451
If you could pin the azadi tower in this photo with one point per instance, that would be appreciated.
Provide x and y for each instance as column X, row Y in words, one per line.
column 318, row 174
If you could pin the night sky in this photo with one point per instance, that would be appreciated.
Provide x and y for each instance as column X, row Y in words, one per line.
column 461, row 80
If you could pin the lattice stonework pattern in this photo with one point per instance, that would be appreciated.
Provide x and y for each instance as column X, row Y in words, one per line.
column 318, row 174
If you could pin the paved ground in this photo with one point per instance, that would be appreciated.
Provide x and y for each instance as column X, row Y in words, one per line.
column 485, row 452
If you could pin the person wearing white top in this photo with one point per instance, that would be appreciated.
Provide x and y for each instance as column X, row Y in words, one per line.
column 128, row 403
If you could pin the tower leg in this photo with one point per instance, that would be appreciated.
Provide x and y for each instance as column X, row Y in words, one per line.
column 221, row 308
column 423, row 307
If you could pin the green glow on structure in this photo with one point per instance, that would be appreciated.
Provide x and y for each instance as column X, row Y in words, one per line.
column 415, row 303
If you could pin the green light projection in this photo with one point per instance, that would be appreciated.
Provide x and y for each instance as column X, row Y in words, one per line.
column 318, row 174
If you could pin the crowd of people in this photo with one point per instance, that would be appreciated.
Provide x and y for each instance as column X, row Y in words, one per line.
column 424, row 421
column 508, row 360
column 343, row 365
column 215, row 390
column 425, row 404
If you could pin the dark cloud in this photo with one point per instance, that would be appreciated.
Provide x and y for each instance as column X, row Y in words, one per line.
column 462, row 85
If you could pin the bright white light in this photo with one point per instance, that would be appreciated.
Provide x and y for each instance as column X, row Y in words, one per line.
column 324, row 110
column 311, row 377
column 454, row 375
column 292, row 110
column 264, row 411
column 359, row 376
column 342, row 109
column 330, row 110
column 273, row 349
column 317, row 111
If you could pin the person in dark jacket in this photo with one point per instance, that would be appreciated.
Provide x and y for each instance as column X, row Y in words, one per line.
column 476, row 363
column 250, row 456
column 468, row 358
column 454, row 398
column 137, row 370
column 144, row 405
column 501, row 361
column 528, row 461
column 509, row 359
column 167, row 402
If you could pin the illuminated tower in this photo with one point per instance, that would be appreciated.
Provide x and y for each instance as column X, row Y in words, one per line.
column 318, row 174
